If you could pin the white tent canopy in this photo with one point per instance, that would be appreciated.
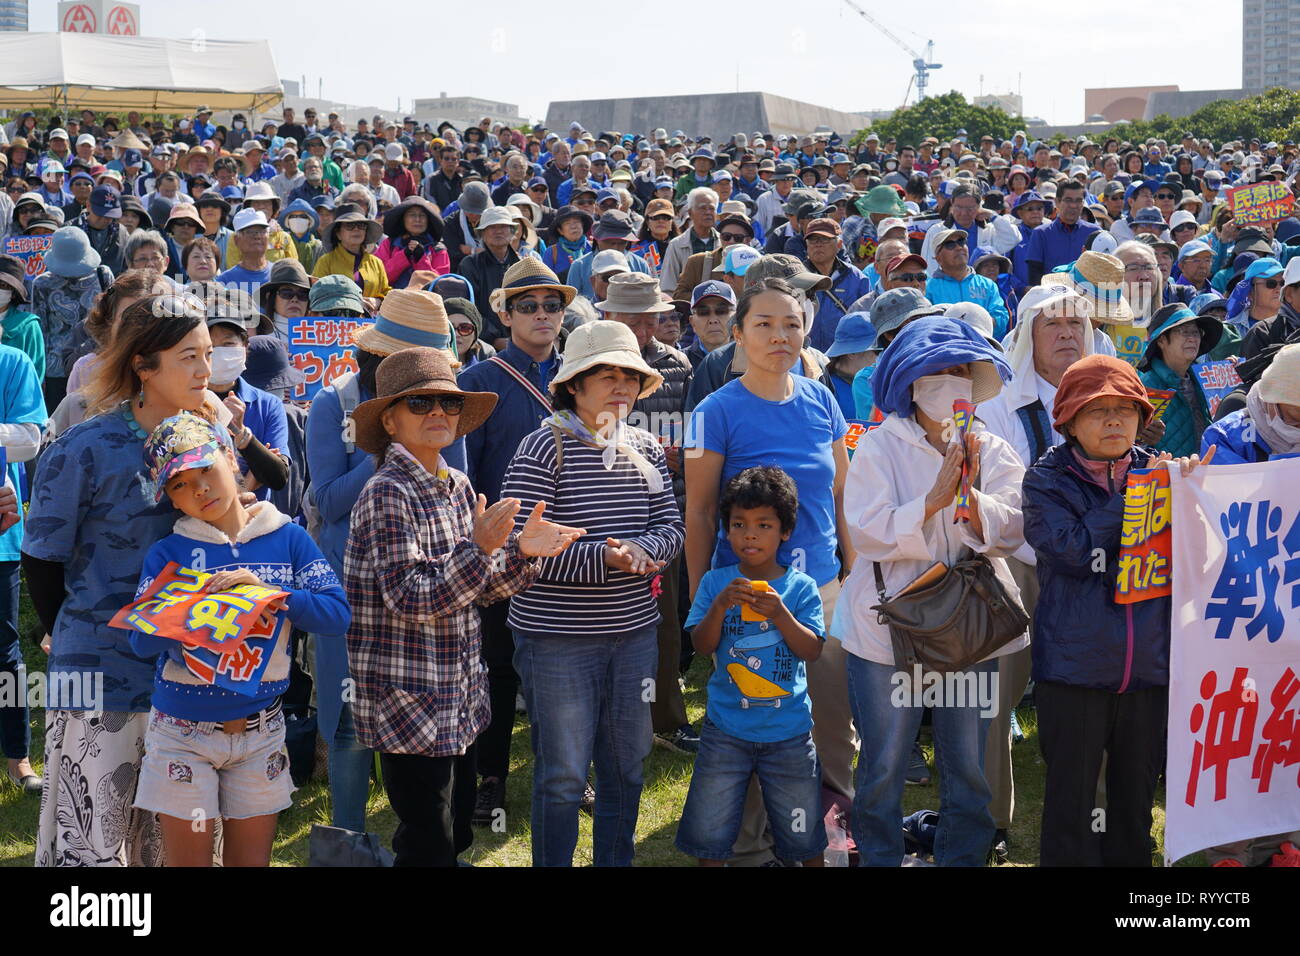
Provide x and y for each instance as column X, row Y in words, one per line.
column 90, row 71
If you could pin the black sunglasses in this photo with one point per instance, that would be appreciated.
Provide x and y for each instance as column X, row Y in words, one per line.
column 1165, row 196
column 721, row 311
column 735, row 237
column 529, row 306
column 952, row 243
column 291, row 293
column 1272, row 283
column 424, row 404
column 909, row 277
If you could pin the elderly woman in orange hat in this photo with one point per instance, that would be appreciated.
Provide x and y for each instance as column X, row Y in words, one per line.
column 424, row 551
column 1101, row 669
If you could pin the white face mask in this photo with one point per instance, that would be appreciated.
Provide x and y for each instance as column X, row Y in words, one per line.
column 227, row 363
column 239, row 124
column 934, row 394
column 6, row 297
column 299, row 226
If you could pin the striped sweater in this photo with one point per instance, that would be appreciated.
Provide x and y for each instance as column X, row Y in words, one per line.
column 576, row 593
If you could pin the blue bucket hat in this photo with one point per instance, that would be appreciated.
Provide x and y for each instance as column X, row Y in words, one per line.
column 891, row 309
column 71, row 255
column 1206, row 301
column 928, row 346
column 855, row 333
column 268, row 364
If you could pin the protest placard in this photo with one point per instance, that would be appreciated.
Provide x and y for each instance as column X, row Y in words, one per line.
column 225, row 640
column 963, row 414
column 1257, row 203
column 1217, row 379
column 1234, row 666
column 1159, row 398
column 1144, row 556
column 31, row 250
column 321, row 348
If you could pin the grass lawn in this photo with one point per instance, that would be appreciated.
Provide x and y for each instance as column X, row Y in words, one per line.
column 667, row 778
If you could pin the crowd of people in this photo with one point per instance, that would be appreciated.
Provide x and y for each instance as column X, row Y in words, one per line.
column 618, row 400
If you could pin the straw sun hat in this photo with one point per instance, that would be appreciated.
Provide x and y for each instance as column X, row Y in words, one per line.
column 417, row 371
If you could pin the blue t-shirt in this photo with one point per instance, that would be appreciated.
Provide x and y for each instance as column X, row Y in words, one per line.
column 759, row 688
column 795, row 435
column 21, row 402
column 248, row 280
column 93, row 511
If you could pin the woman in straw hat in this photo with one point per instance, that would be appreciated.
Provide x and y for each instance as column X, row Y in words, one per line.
column 585, row 632
column 424, row 550
column 339, row 468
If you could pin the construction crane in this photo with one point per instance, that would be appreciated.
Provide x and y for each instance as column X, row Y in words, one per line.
column 921, row 64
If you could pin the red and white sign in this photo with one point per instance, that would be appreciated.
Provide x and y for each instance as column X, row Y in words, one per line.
column 1234, row 659
column 122, row 22
column 105, row 17
column 79, row 18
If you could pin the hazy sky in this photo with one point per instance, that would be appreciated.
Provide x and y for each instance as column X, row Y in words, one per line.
column 375, row 51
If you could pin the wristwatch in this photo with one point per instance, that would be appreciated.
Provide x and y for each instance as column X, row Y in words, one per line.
column 243, row 438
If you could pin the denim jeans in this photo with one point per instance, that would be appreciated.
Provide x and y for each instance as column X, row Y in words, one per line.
column 791, row 780
column 588, row 699
column 350, row 765
column 15, row 722
column 886, row 732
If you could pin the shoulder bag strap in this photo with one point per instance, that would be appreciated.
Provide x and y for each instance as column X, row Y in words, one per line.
column 528, row 386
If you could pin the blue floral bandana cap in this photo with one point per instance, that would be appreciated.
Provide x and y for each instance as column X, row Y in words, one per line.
column 180, row 443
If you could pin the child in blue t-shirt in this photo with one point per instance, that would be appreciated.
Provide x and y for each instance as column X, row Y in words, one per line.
column 761, row 622
column 209, row 749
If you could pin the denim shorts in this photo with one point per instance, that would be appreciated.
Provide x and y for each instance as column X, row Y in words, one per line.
column 790, row 777
column 195, row 771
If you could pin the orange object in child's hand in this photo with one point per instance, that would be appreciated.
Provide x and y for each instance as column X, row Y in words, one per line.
column 747, row 613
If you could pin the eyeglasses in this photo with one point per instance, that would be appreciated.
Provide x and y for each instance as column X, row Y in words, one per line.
column 1140, row 267
column 1190, row 331
column 292, row 294
column 1165, row 196
column 142, row 260
column 909, row 277
column 424, row 404
column 1271, row 283
column 341, row 314
column 952, row 244
column 465, row 328
column 530, row 306
column 734, row 237
column 703, row 311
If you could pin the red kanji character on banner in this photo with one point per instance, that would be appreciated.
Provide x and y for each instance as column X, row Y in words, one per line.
column 339, row 363
column 1281, row 733
column 1229, row 733
column 241, row 663
column 310, row 364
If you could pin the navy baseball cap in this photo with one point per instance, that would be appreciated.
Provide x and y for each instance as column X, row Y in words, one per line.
column 80, row 174
column 132, row 157
column 537, row 181
column 606, row 194
column 106, row 201
column 712, row 287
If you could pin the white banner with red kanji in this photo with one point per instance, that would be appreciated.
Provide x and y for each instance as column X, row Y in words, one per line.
column 1234, row 666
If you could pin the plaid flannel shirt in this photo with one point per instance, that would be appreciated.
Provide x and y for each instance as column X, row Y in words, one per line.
column 413, row 575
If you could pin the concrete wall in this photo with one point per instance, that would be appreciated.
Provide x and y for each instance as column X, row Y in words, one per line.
column 718, row 115
column 1120, row 102
column 1186, row 102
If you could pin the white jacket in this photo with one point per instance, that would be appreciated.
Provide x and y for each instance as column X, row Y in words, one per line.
column 889, row 477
